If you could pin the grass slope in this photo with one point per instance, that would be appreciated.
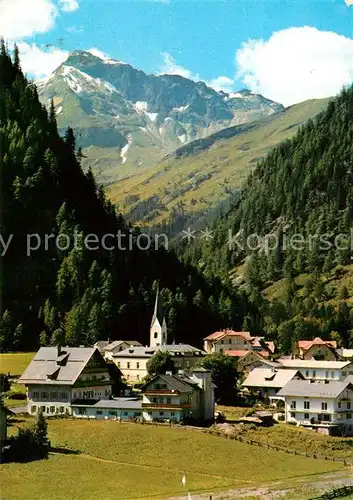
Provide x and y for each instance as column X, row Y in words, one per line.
column 15, row 362
column 125, row 461
column 200, row 181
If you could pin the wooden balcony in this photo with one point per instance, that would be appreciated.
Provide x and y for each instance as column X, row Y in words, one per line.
column 166, row 406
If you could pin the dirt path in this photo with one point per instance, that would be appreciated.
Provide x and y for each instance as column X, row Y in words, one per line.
column 299, row 488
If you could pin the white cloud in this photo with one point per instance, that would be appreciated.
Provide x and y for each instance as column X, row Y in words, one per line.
column 68, row 5
column 296, row 64
column 39, row 63
column 170, row 67
column 98, row 53
column 222, row 83
column 22, row 18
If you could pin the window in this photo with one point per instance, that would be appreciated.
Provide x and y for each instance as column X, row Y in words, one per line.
column 33, row 409
column 35, row 395
column 61, row 409
column 128, row 364
column 349, row 416
column 54, row 395
column 138, row 377
column 344, row 374
column 348, row 405
column 169, row 401
column 332, row 374
column 82, row 411
column 155, row 335
column 314, row 373
column 292, row 414
column 63, row 395
column 161, row 413
column 52, row 409
column 229, row 341
column 339, row 404
column 43, row 409
column 327, row 374
column 307, row 373
column 323, row 406
column 293, row 405
column 44, row 395
column 306, row 416
column 172, row 414
column 306, row 405
column 125, row 414
column 137, row 365
column 222, row 342
column 154, row 400
column 113, row 413
column 99, row 412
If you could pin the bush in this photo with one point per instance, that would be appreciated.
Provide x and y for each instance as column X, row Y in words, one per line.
column 15, row 395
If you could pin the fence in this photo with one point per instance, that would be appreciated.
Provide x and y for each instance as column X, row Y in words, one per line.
column 277, row 448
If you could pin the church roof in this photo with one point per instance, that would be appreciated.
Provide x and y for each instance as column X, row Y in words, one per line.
column 158, row 312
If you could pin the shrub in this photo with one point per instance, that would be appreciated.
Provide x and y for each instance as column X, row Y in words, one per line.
column 15, row 395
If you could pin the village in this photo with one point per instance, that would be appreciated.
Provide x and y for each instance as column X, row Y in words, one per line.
column 313, row 389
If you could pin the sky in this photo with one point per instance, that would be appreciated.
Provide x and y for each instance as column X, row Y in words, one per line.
column 288, row 51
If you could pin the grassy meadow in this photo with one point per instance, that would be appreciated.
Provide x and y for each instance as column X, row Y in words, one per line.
column 15, row 362
column 134, row 461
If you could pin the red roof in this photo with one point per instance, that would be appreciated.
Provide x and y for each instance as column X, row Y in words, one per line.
column 232, row 333
column 306, row 344
column 236, row 354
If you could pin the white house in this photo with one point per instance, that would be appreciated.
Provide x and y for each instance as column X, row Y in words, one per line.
column 324, row 405
column 117, row 346
column 319, row 370
column 57, row 376
column 132, row 362
column 110, row 409
column 266, row 382
column 180, row 396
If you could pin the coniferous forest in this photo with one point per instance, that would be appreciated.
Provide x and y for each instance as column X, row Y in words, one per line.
column 301, row 196
column 77, row 295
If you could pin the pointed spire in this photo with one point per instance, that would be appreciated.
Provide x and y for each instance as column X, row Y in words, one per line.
column 158, row 308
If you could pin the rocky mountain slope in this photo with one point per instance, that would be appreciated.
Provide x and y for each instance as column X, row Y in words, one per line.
column 207, row 173
column 127, row 120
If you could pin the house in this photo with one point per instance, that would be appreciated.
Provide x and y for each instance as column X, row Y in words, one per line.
column 345, row 354
column 267, row 382
column 253, row 359
column 132, row 362
column 317, row 349
column 118, row 345
column 323, row 405
column 57, row 376
column 236, row 344
column 319, row 370
column 109, row 409
column 178, row 397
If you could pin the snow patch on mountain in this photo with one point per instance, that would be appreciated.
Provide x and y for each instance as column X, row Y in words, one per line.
column 59, row 110
column 125, row 149
column 140, row 106
column 182, row 138
column 152, row 116
column 182, row 108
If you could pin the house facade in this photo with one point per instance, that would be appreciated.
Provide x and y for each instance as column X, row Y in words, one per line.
column 57, row 376
column 267, row 382
column 253, row 359
column 117, row 346
column 178, row 397
column 323, row 405
column 319, row 370
column 236, row 344
column 120, row 409
column 317, row 349
column 132, row 362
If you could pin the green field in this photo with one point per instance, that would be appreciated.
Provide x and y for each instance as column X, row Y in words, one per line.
column 126, row 461
column 15, row 362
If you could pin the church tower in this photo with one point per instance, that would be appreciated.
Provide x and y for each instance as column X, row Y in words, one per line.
column 158, row 330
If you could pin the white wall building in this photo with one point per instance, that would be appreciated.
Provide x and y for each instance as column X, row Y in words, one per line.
column 325, row 405
column 319, row 370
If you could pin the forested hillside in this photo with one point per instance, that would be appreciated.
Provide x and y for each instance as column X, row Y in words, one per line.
column 76, row 295
column 300, row 196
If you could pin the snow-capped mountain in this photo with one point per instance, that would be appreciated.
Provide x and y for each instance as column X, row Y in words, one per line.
column 126, row 120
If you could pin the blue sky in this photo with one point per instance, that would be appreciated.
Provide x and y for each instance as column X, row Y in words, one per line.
column 201, row 37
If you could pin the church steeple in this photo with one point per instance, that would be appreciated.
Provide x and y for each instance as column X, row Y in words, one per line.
column 158, row 330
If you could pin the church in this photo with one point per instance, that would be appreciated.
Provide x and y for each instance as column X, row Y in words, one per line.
column 132, row 361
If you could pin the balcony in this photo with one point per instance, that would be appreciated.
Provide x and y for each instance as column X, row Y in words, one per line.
column 159, row 392
column 169, row 406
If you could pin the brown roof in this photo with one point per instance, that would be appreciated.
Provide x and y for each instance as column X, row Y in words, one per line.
column 306, row 344
column 236, row 354
column 232, row 333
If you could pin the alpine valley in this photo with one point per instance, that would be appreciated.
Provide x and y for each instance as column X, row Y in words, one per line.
column 139, row 132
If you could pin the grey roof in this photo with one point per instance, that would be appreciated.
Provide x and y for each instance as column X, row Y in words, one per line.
column 117, row 343
column 147, row 352
column 64, row 368
column 268, row 377
column 179, row 383
column 101, row 344
column 117, row 403
column 313, row 363
column 305, row 388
